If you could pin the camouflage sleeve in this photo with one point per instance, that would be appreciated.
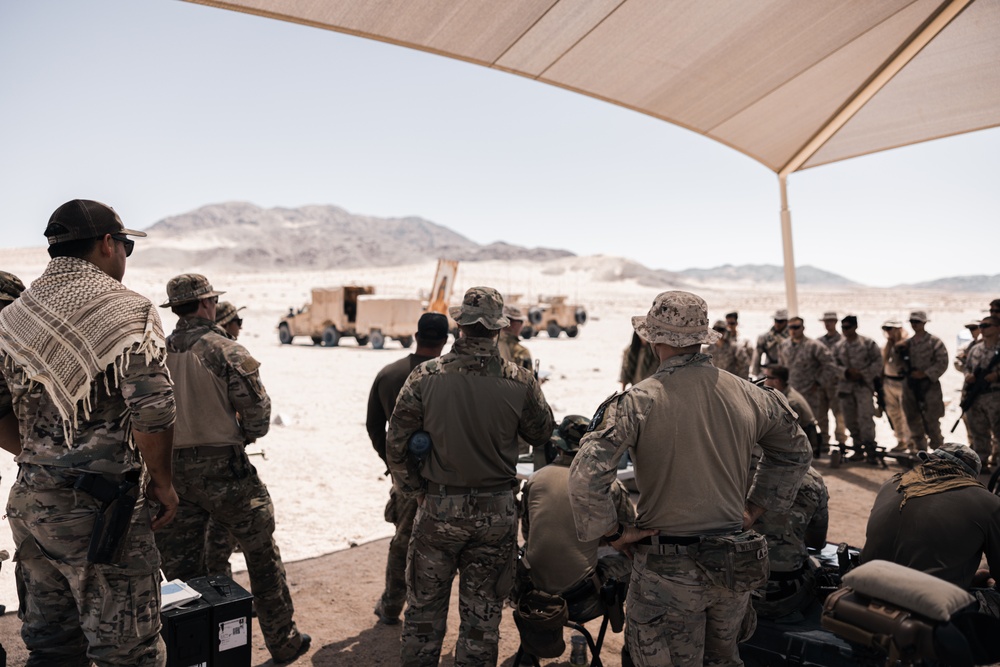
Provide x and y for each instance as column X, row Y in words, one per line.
column 407, row 418
column 873, row 363
column 960, row 358
column 758, row 352
column 629, row 362
column 623, row 504
column 787, row 455
column 247, row 394
column 536, row 418
column 595, row 467
column 830, row 373
column 939, row 359
column 376, row 419
column 820, row 521
column 148, row 394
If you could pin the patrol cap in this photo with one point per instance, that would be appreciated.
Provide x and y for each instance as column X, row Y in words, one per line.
column 735, row 315
column 849, row 319
column 482, row 305
column 720, row 326
column 676, row 318
column 919, row 316
column 780, row 315
column 567, row 435
column 188, row 287
column 225, row 313
column 513, row 313
column 85, row 219
column 432, row 328
column 956, row 453
column 829, row 315
column 10, row 286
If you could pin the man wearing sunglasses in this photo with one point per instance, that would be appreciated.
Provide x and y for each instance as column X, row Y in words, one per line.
column 983, row 416
column 925, row 360
column 768, row 342
column 811, row 369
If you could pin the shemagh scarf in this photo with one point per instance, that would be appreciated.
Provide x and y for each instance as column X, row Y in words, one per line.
column 71, row 325
column 933, row 476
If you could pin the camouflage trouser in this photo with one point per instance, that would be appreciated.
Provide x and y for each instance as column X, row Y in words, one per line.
column 893, row 390
column 858, row 404
column 477, row 535
column 675, row 615
column 400, row 512
column 924, row 425
column 827, row 401
column 75, row 612
column 219, row 547
column 220, row 483
column 983, row 422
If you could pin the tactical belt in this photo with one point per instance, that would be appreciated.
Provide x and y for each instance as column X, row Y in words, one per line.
column 667, row 545
column 591, row 584
column 442, row 490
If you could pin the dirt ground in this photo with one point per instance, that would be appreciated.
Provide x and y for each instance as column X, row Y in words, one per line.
column 335, row 594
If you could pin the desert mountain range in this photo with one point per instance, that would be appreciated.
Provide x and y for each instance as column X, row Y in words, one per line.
column 242, row 236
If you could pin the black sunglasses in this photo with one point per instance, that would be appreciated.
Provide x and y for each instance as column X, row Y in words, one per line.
column 125, row 241
column 239, row 321
column 985, row 326
column 794, row 326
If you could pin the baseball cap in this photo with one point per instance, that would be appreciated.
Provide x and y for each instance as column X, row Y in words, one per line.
column 432, row 327
column 956, row 453
column 188, row 287
column 676, row 318
column 482, row 305
column 85, row 219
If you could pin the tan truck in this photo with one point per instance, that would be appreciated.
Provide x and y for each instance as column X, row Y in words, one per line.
column 386, row 317
column 554, row 315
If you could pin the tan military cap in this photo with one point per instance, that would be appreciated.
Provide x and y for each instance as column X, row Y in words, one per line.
column 226, row 312
column 513, row 313
column 919, row 315
column 676, row 318
column 892, row 324
column 780, row 314
column 483, row 305
column 10, row 286
column 829, row 315
column 188, row 287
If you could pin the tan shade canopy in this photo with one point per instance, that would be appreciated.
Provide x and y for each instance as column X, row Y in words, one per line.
column 789, row 83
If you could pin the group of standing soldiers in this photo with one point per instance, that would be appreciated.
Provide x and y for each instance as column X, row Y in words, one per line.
column 853, row 377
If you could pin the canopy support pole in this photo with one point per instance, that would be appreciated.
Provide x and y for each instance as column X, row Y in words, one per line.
column 791, row 290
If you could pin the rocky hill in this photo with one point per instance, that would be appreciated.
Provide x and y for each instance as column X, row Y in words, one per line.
column 980, row 283
column 768, row 273
column 239, row 235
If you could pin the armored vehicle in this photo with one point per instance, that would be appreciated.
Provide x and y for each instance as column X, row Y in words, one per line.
column 554, row 315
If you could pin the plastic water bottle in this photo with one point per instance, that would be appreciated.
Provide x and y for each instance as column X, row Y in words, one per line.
column 578, row 652
column 419, row 445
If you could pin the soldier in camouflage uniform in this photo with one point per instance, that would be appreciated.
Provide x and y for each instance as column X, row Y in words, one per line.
column 791, row 584
column 473, row 405
column 10, row 288
column 983, row 416
column 860, row 363
column 829, row 400
column 431, row 336
column 730, row 353
column 221, row 407
column 926, row 359
column 892, row 383
column 811, row 369
column 766, row 352
column 638, row 362
column 227, row 316
column 84, row 386
column 509, row 343
column 690, row 429
column 776, row 377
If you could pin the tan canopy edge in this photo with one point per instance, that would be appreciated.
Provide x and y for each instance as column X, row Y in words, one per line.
column 791, row 84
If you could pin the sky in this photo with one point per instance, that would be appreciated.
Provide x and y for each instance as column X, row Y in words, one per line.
column 160, row 107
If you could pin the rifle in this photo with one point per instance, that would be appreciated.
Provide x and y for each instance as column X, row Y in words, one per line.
column 918, row 386
column 977, row 388
column 880, row 399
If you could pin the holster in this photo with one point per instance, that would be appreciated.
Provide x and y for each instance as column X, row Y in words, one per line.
column 118, row 500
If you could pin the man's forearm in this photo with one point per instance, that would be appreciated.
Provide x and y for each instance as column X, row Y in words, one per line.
column 10, row 435
column 157, row 451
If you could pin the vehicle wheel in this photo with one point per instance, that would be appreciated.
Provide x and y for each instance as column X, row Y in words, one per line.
column 406, row 341
column 572, row 331
column 284, row 335
column 317, row 340
column 535, row 315
column 377, row 339
column 553, row 330
column 580, row 316
column 331, row 337
column 835, row 457
column 527, row 332
column 362, row 340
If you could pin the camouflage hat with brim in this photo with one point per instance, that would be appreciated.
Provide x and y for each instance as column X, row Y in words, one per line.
column 226, row 312
column 482, row 305
column 188, row 287
column 567, row 435
column 513, row 313
column 919, row 316
column 676, row 318
column 956, row 453
column 10, row 286
column 85, row 219
column 829, row 315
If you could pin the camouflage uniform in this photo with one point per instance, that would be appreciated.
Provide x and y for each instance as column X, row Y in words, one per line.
column 767, row 347
column 10, row 288
column 829, row 402
column 511, row 350
column 892, row 387
column 790, row 584
column 811, row 369
column 733, row 355
column 638, row 363
column 473, row 404
column 690, row 430
column 983, row 417
column 923, row 417
column 857, row 396
column 215, row 479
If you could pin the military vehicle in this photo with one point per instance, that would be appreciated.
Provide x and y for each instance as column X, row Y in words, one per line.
column 352, row 310
column 554, row 315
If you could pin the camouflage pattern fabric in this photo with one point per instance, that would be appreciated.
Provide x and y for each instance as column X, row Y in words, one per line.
column 221, row 483
column 830, row 339
column 767, row 347
column 401, row 512
column 962, row 354
column 731, row 355
column 983, row 418
column 828, row 403
column 219, row 548
column 476, row 535
column 638, row 362
column 511, row 350
column 676, row 318
column 10, row 288
column 810, row 366
column 857, row 397
column 927, row 354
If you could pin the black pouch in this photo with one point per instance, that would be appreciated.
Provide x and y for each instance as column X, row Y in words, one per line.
column 540, row 618
column 737, row 562
column 107, row 541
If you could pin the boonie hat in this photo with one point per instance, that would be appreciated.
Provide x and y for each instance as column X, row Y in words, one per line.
column 892, row 324
column 513, row 313
column 85, row 219
column 482, row 305
column 829, row 315
column 225, row 313
column 571, row 429
column 676, row 318
column 10, row 286
column 781, row 314
column 719, row 325
column 956, row 453
column 919, row 316
column 971, row 324
column 432, row 327
column 188, row 287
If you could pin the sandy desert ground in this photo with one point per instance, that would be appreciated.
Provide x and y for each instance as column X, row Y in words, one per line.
column 327, row 483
